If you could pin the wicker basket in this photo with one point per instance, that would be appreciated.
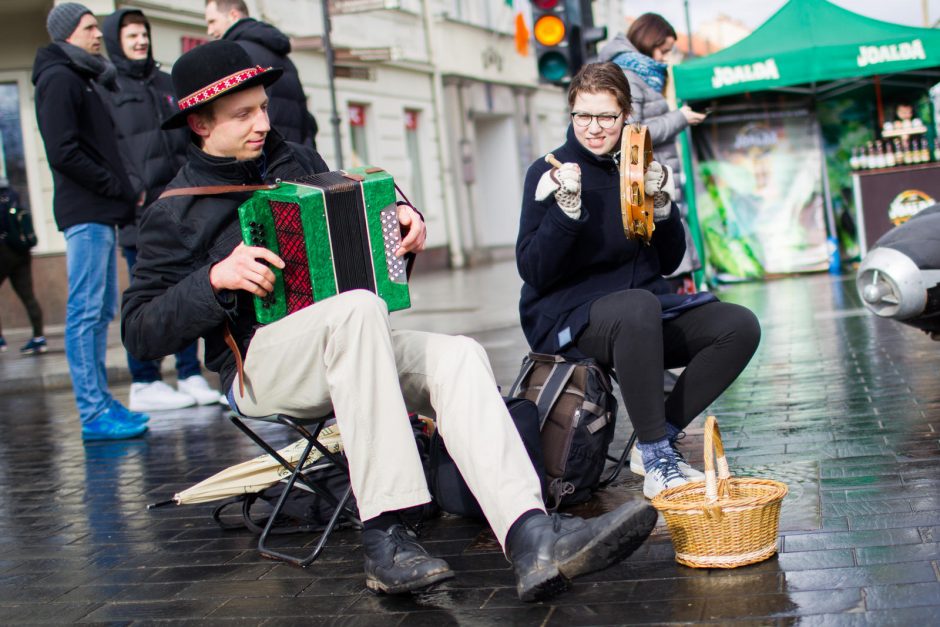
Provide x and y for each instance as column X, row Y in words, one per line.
column 722, row 522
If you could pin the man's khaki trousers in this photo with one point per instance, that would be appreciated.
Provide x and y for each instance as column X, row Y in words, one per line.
column 340, row 354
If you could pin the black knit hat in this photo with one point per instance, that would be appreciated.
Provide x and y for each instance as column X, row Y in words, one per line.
column 63, row 20
column 211, row 70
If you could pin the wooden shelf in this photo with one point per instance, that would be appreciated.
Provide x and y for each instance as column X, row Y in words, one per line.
column 914, row 130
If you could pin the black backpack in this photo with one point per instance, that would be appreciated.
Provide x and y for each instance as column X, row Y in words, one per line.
column 16, row 223
column 448, row 487
column 577, row 413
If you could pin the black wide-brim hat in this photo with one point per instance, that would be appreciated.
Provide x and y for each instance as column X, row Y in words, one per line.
column 212, row 70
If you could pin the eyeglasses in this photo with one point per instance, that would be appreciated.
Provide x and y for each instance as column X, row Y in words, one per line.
column 604, row 120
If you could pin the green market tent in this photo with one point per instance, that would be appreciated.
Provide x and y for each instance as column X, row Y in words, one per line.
column 808, row 41
column 809, row 47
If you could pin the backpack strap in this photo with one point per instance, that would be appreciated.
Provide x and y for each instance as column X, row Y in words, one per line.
column 552, row 388
column 527, row 365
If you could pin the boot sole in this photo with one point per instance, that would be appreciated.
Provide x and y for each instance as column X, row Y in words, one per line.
column 552, row 583
column 410, row 586
column 624, row 536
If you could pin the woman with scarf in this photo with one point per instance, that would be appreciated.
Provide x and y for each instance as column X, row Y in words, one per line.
column 589, row 291
column 641, row 54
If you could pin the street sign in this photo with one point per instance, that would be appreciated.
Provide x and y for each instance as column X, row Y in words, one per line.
column 343, row 7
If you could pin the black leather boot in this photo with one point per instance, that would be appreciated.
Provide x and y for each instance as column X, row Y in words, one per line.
column 396, row 563
column 548, row 551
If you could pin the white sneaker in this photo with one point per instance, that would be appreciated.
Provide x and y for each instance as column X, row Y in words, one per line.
column 665, row 474
column 636, row 462
column 637, row 468
column 197, row 387
column 157, row 396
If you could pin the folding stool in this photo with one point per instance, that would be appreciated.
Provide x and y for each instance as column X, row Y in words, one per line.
column 300, row 425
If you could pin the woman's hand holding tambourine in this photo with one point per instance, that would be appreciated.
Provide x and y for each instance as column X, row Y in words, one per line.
column 660, row 184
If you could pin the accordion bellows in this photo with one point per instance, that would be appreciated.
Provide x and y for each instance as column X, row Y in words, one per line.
column 335, row 231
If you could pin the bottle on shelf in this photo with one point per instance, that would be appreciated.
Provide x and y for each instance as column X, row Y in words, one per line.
column 880, row 160
column 890, row 161
column 924, row 150
column 853, row 160
column 868, row 160
column 906, row 148
column 936, row 149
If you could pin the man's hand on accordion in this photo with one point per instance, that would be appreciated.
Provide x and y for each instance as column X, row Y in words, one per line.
column 413, row 231
column 245, row 269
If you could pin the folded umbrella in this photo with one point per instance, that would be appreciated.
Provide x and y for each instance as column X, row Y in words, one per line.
column 254, row 475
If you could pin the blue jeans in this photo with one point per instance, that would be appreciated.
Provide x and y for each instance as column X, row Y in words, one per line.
column 91, row 260
column 187, row 361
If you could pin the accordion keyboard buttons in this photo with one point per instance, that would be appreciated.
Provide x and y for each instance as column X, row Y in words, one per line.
column 391, row 234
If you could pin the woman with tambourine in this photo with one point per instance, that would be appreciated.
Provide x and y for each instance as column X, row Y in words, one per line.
column 591, row 291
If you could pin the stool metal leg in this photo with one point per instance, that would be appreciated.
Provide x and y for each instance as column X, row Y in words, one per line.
column 620, row 462
column 296, row 470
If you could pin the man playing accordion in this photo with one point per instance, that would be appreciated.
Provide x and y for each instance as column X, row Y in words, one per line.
column 195, row 278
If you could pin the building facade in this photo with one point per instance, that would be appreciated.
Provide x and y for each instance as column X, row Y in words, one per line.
column 433, row 91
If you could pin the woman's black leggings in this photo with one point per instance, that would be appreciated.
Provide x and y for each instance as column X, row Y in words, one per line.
column 714, row 342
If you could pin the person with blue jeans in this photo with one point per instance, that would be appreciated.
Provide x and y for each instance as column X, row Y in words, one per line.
column 152, row 157
column 93, row 196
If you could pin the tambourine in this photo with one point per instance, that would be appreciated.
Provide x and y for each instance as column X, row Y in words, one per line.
column 636, row 208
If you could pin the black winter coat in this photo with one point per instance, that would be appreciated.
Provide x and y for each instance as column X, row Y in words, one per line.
column 568, row 264
column 170, row 302
column 269, row 47
column 91, row 184
column 145, row 98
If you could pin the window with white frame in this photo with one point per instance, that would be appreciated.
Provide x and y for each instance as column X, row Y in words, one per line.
column 358, row 116
column 413, row 147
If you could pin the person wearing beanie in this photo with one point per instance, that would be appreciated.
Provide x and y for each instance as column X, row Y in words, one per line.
column 143, row 101
column 267, row 47
column 92, row 197
column 195, row 278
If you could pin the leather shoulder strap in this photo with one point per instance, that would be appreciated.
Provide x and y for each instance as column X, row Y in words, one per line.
column 212, row 190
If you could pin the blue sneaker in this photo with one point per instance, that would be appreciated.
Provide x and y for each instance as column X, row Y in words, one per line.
column 3, row 345
column 35, row 346
column 108, row 426
column 128, row 416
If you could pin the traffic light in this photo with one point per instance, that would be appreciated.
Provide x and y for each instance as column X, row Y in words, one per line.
column 565, row 38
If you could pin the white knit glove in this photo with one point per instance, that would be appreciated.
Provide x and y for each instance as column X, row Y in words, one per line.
column 661, row 185
column 565, row 183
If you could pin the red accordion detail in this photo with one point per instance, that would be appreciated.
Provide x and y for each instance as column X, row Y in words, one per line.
column 219, row 87
column 293, row 251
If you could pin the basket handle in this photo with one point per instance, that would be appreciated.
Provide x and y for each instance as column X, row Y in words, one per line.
column 715, row 456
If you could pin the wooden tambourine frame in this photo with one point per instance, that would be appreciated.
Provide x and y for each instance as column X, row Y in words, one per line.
column 636, row 208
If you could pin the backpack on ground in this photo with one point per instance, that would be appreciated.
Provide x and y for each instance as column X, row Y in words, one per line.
column 16, row 223
column 447, row 485
column 577, row 414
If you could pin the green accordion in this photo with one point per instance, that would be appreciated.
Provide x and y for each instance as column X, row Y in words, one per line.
column 335, row 232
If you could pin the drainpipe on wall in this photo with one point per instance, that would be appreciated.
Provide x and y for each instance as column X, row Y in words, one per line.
column 457, row 259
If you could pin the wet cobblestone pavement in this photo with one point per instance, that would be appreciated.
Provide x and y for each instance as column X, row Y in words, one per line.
column 843, row 407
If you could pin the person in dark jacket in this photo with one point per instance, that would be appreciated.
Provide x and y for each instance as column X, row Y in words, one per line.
column 642, row 54
column 92, row 197
column 143, row 100
column 16, row 262
column 267, row 47
column 589, row 291
column 195, row 277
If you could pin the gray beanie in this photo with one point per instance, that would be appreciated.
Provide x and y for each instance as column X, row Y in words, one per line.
column 63, row 20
